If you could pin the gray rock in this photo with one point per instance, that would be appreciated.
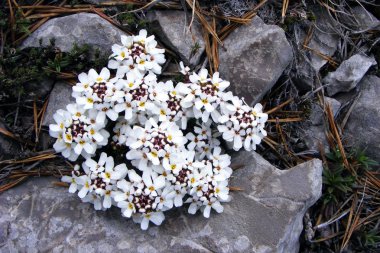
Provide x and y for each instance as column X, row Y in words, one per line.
column 59, row 97
column 39, row 89
column 82, row 28
column 323, row 40
column 266, row 216
column 313, row 133
column 254, row 57
column 363, row 126
column 316, row 115
column 364, row 20
column 171, row 28
column 348, row 74
column 9, row 148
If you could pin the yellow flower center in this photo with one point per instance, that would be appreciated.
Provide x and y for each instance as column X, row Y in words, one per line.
column 122, row 54
column 90, row 100
column 99, row 79
column 68, row 137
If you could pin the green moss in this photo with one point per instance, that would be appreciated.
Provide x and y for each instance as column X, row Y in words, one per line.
column 20, row 66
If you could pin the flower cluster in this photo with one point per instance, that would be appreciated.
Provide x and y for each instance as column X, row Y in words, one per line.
column 174, row 160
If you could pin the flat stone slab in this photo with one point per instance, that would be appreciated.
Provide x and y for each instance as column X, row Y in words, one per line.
column 348, row 74
column 313, row 131
column 59, row 98
column 81, row 28
column 363, row 126
column 253, row 58
column 171, row 28
column 265, row 216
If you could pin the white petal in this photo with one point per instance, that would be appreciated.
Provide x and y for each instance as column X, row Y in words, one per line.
column 144, row 224
column 78, row 149
column 157, row 218
column 178, row 201
column 91, row 163
column 217, row 207
column 107, row 202
column 127, row 212
column 206, row 211
column 237, row 142
column 83, row 192
column 105, row 74
column 112, row 115
column 120, row 197
column 192, row 208
column 159, row 182
column 73, row 188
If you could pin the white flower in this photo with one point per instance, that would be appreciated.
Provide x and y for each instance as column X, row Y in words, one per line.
column 153, row 183
column 222, row 191
column 63, row 120
column 85, row 181
column 155, row 217
column 127, row 208
column 182, row 69
column 150, row 119
column 165, row 200
column 127, row 190
column 204, row 102
column 126, row 107
column 84, row 84
column 194, row 206
column 201, row 77
column 195, row 141
column 95, row 199
column 102, row 77
column 215, row 205
column 120, row 53
column 180, row 192
column 219, row 83
column 72, row 180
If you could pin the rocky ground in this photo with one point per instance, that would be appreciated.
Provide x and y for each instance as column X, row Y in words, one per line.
column 315, row 71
